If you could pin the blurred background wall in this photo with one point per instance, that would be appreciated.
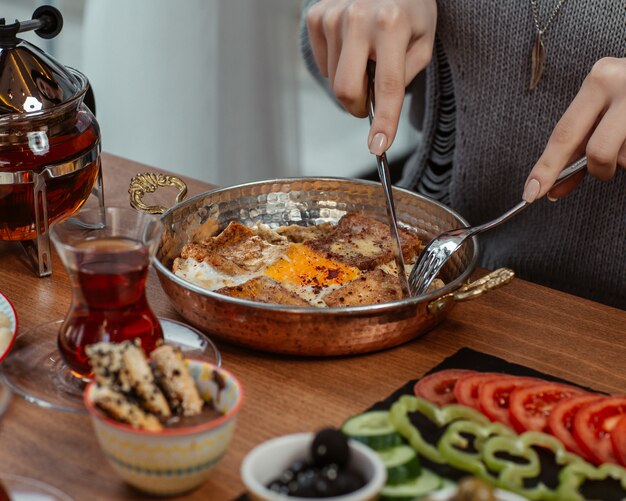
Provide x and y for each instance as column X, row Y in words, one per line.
column 214, row 89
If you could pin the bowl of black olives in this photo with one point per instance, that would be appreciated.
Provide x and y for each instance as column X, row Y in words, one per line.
column 323, row 465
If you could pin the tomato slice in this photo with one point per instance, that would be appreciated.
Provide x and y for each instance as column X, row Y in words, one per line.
column 561, row 420
column 530, row 406
column 593, row 424
column 438, row 388
column 618, row 440
column 493, row 396
column 466, row 389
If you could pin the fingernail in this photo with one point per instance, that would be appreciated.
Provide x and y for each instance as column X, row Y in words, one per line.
column 552, row 199
column 378, row 143
column 531, row 190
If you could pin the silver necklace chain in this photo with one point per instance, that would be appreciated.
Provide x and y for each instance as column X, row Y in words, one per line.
column 557, row 8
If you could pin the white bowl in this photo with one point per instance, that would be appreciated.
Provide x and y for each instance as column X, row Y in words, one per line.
column 269, row 459
column 177, row 460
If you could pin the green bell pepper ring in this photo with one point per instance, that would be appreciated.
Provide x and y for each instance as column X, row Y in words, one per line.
column 464, row 453
column 516, row 460
column 580, row 481
column 399, row 415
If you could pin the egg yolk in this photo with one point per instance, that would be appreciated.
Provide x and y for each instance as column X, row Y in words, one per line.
column 303, row 266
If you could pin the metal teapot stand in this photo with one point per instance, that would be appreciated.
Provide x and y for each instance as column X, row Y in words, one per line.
column 38, row 249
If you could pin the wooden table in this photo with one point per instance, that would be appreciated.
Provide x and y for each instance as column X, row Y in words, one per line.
column 557, row 333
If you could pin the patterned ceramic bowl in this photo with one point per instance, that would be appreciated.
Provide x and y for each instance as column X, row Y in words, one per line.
column 174, row 460
column 266, row 461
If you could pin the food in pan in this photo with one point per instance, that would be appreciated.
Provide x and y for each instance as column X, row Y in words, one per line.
column 565, row 442
column 347, row 264
column 146, row 394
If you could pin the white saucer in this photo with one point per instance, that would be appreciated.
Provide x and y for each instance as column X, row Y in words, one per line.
column 27, row 489
column 36, row 371
column 7, row 309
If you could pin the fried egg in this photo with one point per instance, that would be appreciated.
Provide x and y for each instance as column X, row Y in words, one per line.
column 309, row 273
column 300, row 269
column 303, row 266
column 203, row 274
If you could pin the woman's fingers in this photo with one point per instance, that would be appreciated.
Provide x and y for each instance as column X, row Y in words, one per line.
column 417, row 58
column 332, row 23
column 397, row 34
column 569, row 133
column 593, row 123
column 604, row 146
column 392, row 40
column 621, row 157
column 564, row 188
column 350, row 83
column 568, row 185
column 315, row 28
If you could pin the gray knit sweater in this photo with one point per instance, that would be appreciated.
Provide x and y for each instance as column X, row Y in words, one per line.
column 500, row 128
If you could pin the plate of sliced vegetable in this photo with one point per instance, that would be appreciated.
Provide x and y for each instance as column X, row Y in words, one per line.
column 521, row 432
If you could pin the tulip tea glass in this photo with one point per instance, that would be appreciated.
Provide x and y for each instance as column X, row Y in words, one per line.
column 107, row 253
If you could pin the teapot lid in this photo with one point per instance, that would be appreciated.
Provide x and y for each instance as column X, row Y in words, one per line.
column 32, row 81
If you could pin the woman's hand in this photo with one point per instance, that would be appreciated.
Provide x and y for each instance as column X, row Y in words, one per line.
column 397, row 34
column 594, row 124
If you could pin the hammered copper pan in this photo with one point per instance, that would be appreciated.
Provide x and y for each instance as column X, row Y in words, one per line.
column 305, row 201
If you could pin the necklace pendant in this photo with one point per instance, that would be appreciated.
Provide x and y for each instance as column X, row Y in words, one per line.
column 537, row 59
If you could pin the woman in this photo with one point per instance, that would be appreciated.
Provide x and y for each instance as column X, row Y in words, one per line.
column 515, row 90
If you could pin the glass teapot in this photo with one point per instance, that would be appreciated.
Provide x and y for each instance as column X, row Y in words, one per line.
column 49, row 138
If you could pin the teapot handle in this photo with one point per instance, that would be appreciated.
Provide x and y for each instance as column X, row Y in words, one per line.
column 90, row 100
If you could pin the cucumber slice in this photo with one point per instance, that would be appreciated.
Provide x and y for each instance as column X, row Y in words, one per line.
column 418, row 487
column 401, row 462
column 373, row 429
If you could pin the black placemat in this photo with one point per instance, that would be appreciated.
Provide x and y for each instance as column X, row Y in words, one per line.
column 465, row 358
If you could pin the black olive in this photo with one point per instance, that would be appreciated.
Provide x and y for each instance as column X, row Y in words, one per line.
column 326, row 476
column 323, row 487
column 330, row 446
column 287, row 476
column 330, row 472
column 348, row 481
column 305, row 483
column 299, row 466
column 276, row 486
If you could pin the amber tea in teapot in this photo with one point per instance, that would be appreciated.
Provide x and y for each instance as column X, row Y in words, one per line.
column 33, row 153
column 49, row 137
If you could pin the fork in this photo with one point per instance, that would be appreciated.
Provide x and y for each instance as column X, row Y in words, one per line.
column 438, row 250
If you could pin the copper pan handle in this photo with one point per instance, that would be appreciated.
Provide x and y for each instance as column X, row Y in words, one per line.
column 491, row 281
column 149, row 182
